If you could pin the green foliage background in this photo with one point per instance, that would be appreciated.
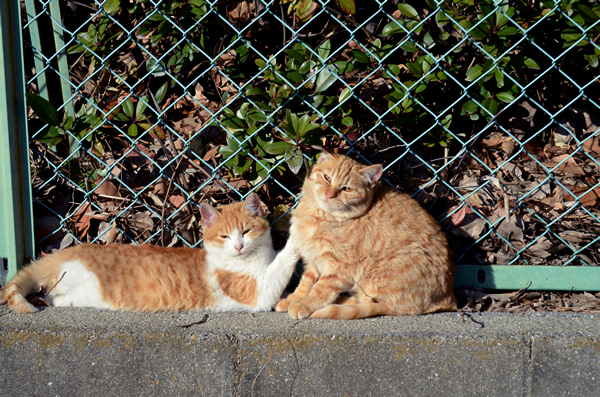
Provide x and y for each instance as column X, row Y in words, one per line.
column 384, row 80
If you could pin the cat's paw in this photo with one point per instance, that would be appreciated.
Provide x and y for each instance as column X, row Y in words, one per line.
column 299, row 311
column 282, row 305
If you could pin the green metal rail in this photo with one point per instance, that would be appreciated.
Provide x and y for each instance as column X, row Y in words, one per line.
column 16, row 221
column 410, row 72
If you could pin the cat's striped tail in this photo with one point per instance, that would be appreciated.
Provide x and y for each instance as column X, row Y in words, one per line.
column 353, row 311
column 42, row 273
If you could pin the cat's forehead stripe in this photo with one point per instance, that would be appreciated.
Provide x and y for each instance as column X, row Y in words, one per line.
column 340, row 169
column 232, row 218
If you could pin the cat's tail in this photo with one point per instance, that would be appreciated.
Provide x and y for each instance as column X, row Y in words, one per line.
column 42, row 273
column 353, row 311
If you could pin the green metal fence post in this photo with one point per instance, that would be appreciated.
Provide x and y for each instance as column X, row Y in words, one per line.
column 534, row 278
column 16, row 221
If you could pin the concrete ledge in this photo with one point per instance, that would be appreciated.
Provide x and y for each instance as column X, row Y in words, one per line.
column 87, row 352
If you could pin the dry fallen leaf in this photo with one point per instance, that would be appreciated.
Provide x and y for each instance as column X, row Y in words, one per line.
column 458, row 216
column 141, row 220
column 243, row 10
column 177, row 201
column 471, row 227
column 569, row 165
column 541, row 248
column 588, row 200
column 591, row 146
column 137, row 158
column 113, row 233
column 512, row 230
column 81, row 221
column 495, row 140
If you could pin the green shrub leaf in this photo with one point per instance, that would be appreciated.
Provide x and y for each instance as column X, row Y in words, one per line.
column 43, row 109
column 112, row 6
column 326, row 78
column 141, row 106
column 132, row 130
column 348, row 121
column 474, row 72
column 392, row 28
column 531, row 64
column 408, row 10
column 505, row 97
column 128, row 107
column 162, row 91
column 470, row 107
column 409, row 46
column 295, row 162
column 277, row 148
column 360, row 56
column 348, row 6
column 324, row 50
column 346, row 92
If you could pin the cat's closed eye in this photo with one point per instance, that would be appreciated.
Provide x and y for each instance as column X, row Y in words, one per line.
column 223, row 236
column 246, row 232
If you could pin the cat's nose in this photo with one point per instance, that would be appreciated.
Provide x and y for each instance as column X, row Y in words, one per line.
column 239, row 247
column 329, row 195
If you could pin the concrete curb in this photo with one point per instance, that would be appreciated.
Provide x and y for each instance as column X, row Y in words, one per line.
column 86, row 352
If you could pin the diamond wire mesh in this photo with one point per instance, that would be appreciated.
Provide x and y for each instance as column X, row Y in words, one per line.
column 484, row 112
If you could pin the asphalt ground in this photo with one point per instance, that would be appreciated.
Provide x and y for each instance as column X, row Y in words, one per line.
column 89, row 352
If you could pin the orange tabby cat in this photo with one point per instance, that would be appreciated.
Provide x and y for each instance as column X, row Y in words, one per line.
column 368, row 250
column 236, row 271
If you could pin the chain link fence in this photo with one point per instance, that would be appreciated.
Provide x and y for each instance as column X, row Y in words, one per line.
column 486, row 112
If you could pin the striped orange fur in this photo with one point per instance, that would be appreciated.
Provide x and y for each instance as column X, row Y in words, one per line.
column 41, row 274
column 376, row 248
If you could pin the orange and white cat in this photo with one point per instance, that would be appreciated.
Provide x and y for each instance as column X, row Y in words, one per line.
column 237, row 270
column 367, row 250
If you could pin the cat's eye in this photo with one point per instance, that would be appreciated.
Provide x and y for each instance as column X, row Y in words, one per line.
column 327, row 178
column 225, row 237
column 246, row 232
column 346, row 189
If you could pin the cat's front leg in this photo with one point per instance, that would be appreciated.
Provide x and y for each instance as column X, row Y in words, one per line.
column 325, row 291
column 308, row 279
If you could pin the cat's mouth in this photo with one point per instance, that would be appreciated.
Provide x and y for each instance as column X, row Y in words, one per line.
column 333, row 205
column 242, row 253
column 326, row 204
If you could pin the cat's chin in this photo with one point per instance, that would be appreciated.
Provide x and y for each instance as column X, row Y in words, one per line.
column 331, row 208
column 239, row 255
column 326, row 206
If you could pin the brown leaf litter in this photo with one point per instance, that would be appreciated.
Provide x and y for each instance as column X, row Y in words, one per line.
column 477, row 300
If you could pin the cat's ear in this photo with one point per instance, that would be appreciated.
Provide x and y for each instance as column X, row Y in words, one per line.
column 252, row 205
column 209, row 215
column 372, row 173
column 325, row 155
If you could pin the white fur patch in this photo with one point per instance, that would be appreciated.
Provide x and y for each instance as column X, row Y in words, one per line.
column 78, row 287
column 271, row 271
column 275, row 277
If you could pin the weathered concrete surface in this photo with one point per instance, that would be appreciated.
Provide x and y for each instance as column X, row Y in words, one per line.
column 86, row 352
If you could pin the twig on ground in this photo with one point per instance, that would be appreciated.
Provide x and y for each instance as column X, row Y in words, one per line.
column 256, row 377
column 202, row 321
